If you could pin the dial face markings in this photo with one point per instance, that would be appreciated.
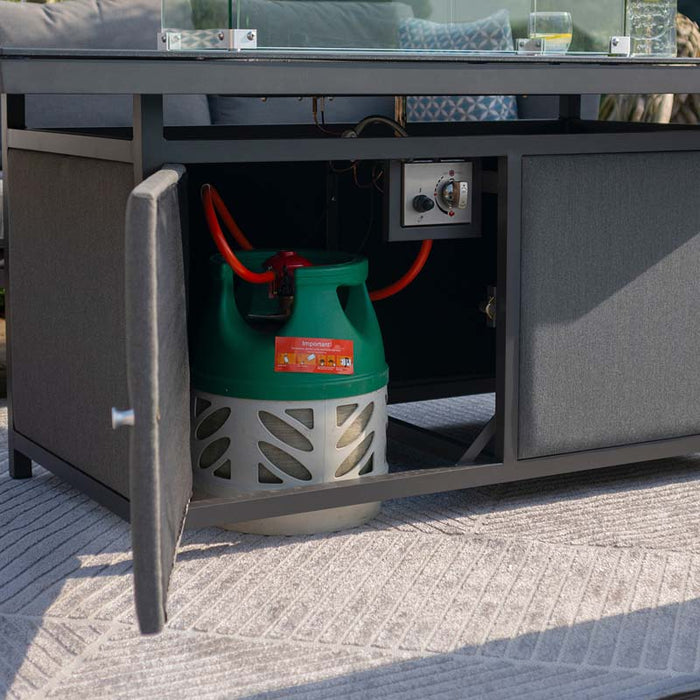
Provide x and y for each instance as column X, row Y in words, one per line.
column 443, row 182
column 436, row 193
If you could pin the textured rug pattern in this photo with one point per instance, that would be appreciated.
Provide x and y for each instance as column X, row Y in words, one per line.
column 584, row 585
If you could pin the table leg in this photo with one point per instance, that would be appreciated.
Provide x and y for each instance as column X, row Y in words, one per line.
column 20, row 465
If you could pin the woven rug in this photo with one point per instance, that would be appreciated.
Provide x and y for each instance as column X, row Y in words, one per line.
column 580, row 586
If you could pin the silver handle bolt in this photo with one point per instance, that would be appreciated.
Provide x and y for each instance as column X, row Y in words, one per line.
column 121, row 419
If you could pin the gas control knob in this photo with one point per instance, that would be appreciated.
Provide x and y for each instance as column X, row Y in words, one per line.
column 455, row 194
column 421, row 203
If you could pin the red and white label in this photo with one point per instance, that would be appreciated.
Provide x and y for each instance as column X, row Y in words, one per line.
column 314, row 355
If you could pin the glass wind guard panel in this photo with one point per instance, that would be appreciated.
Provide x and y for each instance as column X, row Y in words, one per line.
column 421, row 27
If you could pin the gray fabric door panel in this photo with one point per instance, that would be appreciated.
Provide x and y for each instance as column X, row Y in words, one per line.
column 610, row 291
column 159, row 384
column 67, row 295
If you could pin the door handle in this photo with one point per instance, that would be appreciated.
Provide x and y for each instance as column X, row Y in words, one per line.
column 122, row 418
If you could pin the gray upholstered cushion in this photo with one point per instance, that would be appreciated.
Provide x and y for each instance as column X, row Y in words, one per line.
column 328, row 24
column 290, row 110
column 309, row 24
column 91, row 24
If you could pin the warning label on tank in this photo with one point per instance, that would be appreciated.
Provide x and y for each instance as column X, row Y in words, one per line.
column 314, row 355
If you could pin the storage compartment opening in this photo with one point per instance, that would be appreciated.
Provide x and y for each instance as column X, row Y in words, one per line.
column 441, row 432
column 439, row 344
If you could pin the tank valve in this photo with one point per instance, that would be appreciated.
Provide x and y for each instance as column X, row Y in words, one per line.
column 283, row 265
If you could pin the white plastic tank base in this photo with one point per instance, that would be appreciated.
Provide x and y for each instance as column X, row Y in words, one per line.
column 247, row 445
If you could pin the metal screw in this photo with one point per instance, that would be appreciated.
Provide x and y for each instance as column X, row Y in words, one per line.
column 221, row 36
column 250, row 36
column 263, row 99
column 163, row 38
column 615, row 41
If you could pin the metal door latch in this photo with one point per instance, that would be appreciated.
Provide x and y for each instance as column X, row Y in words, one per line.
column 489, row 308
column 123, row 418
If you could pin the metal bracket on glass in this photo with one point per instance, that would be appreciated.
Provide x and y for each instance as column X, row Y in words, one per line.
column 207, row 39
column 244, row 39
column 531, row 46
column 620, row 46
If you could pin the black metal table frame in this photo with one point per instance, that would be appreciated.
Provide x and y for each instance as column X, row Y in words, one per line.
column 150, row 75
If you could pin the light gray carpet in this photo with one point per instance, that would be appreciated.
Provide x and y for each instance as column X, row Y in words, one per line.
column 583, row 586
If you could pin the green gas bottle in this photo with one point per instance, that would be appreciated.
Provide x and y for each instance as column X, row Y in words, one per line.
column 289, row 385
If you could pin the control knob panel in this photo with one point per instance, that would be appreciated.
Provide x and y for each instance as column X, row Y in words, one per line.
column 436, row 193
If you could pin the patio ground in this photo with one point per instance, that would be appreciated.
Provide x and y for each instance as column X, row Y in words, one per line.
column 582, row 586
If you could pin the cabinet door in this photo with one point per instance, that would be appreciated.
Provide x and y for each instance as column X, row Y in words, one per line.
column 158, row 378
column 610, row 332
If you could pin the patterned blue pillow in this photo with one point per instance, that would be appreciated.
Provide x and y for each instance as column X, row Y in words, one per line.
column 489, row 34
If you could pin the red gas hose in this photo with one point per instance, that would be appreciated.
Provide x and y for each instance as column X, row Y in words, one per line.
column 218, row 235
column 403, row 282
column 228, row 220
column 213, row 203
